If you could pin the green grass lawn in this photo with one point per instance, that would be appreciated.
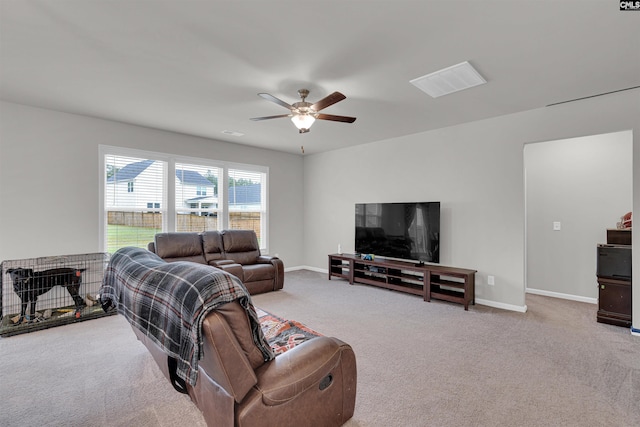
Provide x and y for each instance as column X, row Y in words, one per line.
column 119, row 236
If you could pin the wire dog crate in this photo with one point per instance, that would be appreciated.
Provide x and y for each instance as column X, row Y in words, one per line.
column 40, row 293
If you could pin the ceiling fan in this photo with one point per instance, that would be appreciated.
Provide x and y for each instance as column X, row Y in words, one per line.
column 303, row 113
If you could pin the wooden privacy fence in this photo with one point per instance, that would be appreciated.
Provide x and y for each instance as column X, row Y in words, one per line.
column 135, row 219
column 186, row 222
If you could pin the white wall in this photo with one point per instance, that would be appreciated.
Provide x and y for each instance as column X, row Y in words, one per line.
column 585, row 184
column 475, row 170
column 49, row 180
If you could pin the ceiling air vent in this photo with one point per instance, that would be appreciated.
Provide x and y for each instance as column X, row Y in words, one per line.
column 449, row 80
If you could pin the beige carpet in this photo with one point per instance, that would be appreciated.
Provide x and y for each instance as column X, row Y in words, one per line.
column 419, row 364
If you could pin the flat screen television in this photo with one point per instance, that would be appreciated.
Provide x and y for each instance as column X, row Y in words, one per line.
column 408, row 231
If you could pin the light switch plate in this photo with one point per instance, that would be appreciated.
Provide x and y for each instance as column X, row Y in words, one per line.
column 556, row 226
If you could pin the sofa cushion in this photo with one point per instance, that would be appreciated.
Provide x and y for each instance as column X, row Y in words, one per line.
column 241, row 246
column 179, row 247
column 212, row 246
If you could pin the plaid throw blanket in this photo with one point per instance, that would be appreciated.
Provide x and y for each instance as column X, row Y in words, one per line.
column 169, row 301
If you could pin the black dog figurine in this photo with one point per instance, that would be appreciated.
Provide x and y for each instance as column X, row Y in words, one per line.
column 29, row 284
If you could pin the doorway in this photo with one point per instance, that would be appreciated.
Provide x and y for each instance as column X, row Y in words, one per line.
column 574, row 190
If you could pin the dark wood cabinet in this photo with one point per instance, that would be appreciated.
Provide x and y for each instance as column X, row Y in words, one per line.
column 614, row 293
column 427, row 280
column 341, row 266
column 619, row 236
column 614, row 301
column 451, row 284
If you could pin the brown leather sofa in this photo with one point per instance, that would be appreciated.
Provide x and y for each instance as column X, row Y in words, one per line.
column 313, row 384
column 235, row 251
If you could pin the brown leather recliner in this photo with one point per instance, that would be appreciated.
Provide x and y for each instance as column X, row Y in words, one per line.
column 241, row 257
column 313, row 384
column 235, row 251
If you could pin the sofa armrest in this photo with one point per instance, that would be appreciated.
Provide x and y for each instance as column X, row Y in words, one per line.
column 265, row 259
column 311, row 364
column 220, row 262
column 232, row 268
column 279, row 267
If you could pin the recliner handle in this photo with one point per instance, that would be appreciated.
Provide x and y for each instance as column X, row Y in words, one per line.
column 326, row 382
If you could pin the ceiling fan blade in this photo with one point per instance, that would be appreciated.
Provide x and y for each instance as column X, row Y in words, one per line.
column 327, row 101
column 272, row 98
column 269, row 117
column 343, row 119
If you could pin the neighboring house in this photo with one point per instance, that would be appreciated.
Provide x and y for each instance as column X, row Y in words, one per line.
column 194, row 190
column 245, row 197
column 200, row 202
column 241, row 198
column 135, row 186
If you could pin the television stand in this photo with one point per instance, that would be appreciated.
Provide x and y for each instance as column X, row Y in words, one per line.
column 427, row 280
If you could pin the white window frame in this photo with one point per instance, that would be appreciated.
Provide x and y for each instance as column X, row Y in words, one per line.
column 168, row 206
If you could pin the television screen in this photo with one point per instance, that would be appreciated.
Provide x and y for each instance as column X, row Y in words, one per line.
column 408, row 231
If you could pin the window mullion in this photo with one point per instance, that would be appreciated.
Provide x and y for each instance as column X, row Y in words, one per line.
column 223, row 185
column 170, row 196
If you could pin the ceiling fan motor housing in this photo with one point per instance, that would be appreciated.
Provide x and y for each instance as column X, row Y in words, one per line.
column 303, row 93
column 303, row 108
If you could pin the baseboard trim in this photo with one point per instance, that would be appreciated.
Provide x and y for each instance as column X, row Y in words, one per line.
column 561, row 295
column 306, row 267
column 501, row 305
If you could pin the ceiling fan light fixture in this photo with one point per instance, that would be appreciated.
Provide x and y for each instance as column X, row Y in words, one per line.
column 303, row 121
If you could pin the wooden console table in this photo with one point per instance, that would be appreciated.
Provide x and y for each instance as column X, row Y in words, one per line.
column 427, row 280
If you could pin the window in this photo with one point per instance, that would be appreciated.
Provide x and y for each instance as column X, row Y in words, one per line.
column 128, row 219
column 152, row 206
column 246, row 201
column 177, row 194
column 197, row 197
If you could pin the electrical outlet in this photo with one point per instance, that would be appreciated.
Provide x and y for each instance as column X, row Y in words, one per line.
column 491, row 280
column 557, row 226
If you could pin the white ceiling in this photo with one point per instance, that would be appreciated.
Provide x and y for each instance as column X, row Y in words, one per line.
column 196, row 67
